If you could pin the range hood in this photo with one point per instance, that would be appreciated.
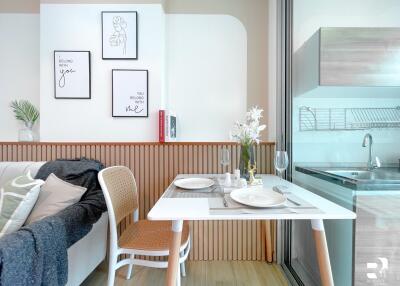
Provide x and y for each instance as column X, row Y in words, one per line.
column 352, row 57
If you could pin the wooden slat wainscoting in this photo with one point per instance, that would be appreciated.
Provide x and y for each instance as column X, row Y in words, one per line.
column 155, row 165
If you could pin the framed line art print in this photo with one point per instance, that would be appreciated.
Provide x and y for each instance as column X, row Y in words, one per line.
column 72, row 75
column 130, row 93
column 119, row 35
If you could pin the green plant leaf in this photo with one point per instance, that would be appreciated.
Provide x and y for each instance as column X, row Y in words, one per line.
column 25, row 111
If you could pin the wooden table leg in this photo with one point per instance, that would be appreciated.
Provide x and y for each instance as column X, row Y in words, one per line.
column 322, row 252
column 268, row 241
column 173, row 258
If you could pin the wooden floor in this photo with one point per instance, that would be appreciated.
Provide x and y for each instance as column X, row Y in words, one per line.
column 200, row 273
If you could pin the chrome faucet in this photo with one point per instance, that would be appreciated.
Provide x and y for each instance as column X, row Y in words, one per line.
column 370, row 164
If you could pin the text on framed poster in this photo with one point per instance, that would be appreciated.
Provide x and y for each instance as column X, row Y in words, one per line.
column 72, row 75
column 130, row 93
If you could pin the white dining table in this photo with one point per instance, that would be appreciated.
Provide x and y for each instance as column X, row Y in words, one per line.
column 180, row 209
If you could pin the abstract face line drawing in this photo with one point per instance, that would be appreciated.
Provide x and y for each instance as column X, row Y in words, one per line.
column 119, row 36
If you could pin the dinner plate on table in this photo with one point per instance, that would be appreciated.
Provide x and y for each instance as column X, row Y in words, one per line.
column 260, row 198
column 194, row 183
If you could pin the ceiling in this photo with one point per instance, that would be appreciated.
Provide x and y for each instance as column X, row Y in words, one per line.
column 33, row 6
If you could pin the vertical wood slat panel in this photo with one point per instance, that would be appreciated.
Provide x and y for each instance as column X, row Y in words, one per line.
column 154, row 167
column 9, row 152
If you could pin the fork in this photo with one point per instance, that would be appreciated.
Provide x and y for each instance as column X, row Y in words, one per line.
column 224, row 201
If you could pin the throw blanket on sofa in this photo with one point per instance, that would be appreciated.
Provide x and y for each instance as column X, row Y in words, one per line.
column 79, row 217
column 37, row 253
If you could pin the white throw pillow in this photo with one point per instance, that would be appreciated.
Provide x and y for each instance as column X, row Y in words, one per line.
column 55, row 195
column 17, row 198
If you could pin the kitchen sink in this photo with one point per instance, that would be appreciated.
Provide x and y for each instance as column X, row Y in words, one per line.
column 385, row 174
column 385, row 178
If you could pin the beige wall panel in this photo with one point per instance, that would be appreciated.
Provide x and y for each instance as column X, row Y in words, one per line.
column 154, row 166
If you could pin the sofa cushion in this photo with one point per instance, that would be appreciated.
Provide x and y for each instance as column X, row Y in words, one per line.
column 11, row 170
column 17, row 198
column 55, row 196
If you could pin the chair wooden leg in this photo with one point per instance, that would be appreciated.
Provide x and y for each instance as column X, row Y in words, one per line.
column 178, row 276
column 183, row 267
column 268, row 241
column 321, row 246
column 173, row 258
column 130, row 266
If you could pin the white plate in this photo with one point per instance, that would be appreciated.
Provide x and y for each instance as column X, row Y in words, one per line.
column 260, row 198
column 194, row 183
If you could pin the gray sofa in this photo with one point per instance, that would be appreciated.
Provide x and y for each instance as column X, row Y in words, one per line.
column 84, row 255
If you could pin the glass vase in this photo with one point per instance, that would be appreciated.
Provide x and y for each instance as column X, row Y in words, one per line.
column 26, row 133
column 246, row 160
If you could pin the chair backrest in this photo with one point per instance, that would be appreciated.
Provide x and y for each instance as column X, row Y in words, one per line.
column 120, row 191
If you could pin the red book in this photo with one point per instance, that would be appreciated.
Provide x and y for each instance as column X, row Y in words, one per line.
column 161, row 125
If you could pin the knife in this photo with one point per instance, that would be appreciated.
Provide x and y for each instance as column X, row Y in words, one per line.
column 275, row 189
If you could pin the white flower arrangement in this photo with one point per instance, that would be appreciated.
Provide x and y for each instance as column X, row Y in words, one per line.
column 249, row 132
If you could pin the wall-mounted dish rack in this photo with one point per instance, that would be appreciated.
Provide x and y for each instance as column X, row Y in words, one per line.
column 329, row 119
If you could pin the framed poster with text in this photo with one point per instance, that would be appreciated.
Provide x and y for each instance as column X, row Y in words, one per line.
column 72, row 75
column 130, row 93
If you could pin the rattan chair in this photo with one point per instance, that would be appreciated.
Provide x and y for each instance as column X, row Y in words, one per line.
column 142, row 237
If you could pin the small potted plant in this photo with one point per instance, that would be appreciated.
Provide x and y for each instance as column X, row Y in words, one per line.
column 27, row 113
column 248, row 134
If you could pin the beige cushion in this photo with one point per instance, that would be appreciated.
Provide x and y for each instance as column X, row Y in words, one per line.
column 55, row 195
column 17, row 198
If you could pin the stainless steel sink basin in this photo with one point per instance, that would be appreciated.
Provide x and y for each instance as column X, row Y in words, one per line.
column 353, row 174
column 385, row 178
column 381, row 174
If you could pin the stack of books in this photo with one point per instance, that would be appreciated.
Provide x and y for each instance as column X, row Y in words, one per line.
column 166, row 126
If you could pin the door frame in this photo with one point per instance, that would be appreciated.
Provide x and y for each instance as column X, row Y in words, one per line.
column 284, row 124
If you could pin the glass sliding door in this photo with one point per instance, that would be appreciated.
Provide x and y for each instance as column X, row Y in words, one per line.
column 330, row 154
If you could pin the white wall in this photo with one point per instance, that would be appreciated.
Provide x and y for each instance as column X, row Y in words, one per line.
column 258, row 18
column 78, row 27
column 270, row 113
column 344, row 146
column 201, row 75
column 206, row 74
column 19, row 67
column 202, row 70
